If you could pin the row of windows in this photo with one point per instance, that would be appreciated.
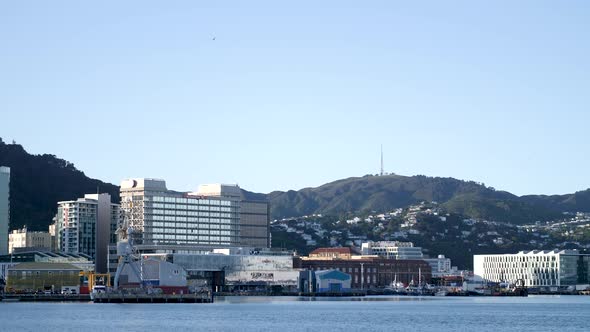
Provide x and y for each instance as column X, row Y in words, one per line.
column 182, row 200
column 190, row 231
column 187, row 213
column 192, row 220
column 171, row 225
column 188, row 207
column 204, row 238
column 520, row 265
column 514, row 258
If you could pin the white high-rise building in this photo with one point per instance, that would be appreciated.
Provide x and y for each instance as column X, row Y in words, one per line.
column 4, row 208
column 535, row 268
column 161, row 217
column 87, row 226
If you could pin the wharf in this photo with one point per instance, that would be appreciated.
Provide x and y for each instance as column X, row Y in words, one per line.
column 45, row 297
column 151, row 298
column 305, row 294
column 328, row 294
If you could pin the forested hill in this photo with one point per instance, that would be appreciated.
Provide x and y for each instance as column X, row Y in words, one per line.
column 385, row 193
column 38, row 182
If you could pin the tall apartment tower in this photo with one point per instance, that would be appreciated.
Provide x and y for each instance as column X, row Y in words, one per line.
column 87, row 226
column 254, row 215
column 4, row 208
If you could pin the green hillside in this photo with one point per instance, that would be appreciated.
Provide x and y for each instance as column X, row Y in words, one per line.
column 38, row 182
column 383, row 193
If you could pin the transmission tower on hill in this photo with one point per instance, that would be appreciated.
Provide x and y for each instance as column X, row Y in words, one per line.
column 381, row 173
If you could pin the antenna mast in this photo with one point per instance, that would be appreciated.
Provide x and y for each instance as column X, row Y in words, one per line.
column 381, row 160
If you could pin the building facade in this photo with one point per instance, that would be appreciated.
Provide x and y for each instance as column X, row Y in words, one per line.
column 369, row 273
column 86, row 226
column 331, row 253
column 31, row 277
column 233, row 268
column 392, row 250
column 159, row 216
column 329, row 281
column 4, row 208
column 81, row 261
column 53, row 234
column 254, row 215
column 441, row 266
column 535, row 268
column 24, row 239
column 255, row 224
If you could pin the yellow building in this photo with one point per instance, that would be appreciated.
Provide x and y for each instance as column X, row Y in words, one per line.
column 32, row 277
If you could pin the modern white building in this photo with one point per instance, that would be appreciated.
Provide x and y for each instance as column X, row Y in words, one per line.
column 535, row 268
column 22, row 238
column 392, row 250
column 4, row 208
column 87, row 226
column 159, row 216
column 237, row 266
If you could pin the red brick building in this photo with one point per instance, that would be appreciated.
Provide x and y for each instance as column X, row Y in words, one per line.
column 372, row 272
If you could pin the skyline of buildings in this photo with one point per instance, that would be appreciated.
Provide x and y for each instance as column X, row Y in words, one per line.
column 190, row 225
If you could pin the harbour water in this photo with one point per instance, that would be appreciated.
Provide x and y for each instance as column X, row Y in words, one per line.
column 533, row 313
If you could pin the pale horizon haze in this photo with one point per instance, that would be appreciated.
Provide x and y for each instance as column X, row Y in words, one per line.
column 286, row 95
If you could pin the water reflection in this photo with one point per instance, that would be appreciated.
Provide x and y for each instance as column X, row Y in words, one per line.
column 274, row 299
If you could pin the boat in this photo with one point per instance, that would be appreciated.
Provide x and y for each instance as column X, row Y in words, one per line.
column 396, row 287
column 97, row 289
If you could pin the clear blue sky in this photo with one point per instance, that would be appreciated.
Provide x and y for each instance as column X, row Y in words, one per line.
column 293, row 95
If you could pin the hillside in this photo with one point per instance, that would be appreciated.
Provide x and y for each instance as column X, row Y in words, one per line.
column 38, row 182
column 383, row 193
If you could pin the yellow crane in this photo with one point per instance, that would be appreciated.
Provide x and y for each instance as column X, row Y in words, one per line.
column 103, row 279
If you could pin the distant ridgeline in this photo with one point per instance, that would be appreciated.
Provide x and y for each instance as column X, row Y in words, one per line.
column 38, row 182
column 386, row 193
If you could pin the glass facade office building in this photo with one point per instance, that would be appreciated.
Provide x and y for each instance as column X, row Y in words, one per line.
column 159, row 216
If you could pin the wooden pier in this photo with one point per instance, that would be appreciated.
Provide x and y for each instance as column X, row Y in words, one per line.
column 45, row 297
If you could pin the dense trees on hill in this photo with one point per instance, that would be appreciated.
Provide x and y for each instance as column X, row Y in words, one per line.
column 38, row 182
column 385, row 193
